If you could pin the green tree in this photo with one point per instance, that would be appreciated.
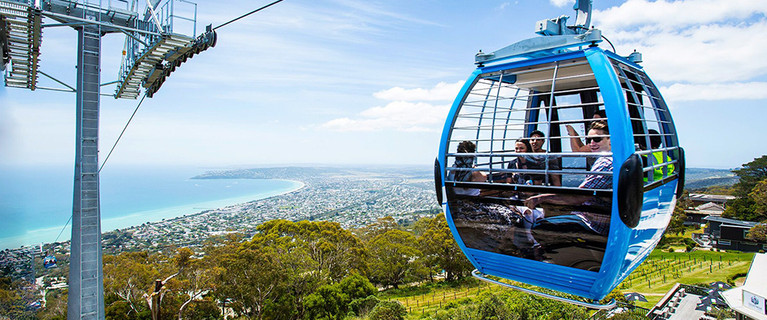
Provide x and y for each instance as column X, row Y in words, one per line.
column 334, row 250
column 678, row 217
column 527, row 306
column 422, row 224
column 252, row 279
column 381, row 226
column 12, row 300
column 361, row 307
column 356, row 286
column 491, row 306
column 758, row 233
column 440, row 250
column 129, row 277
column 393, row 255
column 388, row 310
column 758, row 194
column 55, row 306
column 746, row 205
column 205, row 309
column 750, row 174
column 195, row 278
column 326, row 303
column 312, row 254
column 333, row 301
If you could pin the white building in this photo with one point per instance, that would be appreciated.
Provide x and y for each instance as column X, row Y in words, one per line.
column 748, row 301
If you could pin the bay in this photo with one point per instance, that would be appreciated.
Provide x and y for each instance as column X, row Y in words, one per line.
column 36, row 202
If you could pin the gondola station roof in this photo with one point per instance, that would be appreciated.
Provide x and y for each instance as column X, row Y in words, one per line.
column 750, row 298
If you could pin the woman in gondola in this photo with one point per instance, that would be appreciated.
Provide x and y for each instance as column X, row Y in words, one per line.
column 520, row 163
column 465, row 164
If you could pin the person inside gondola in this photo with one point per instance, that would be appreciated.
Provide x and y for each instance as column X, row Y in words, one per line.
column 576, row 145
column 537, row 138
column 520, row 163
column 598, row 140
column 465, row 164
column 657, row 157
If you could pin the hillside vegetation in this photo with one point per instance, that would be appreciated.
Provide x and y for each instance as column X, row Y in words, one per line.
column 318, row 270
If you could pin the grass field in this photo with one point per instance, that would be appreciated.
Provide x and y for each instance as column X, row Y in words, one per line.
column 653, row 279
column 662, row 270
column 426, row 299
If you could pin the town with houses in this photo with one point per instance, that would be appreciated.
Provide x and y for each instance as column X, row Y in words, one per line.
column 352, row 197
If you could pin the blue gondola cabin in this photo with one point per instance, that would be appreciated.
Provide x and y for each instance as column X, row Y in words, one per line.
column 560, row 170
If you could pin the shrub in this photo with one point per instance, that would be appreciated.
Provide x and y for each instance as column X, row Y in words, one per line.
column 362, row 306
column 388, row 310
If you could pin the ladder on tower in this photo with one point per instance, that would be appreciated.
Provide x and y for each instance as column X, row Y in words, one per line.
column 23, row 36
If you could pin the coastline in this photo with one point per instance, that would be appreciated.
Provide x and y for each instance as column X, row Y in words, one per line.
column 48, row 235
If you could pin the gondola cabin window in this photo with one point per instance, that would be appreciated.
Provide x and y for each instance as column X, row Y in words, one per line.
column 548, row 109
column 537, row 181
column 653, row 130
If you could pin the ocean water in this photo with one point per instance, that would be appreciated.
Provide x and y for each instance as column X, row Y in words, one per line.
column 36, row 202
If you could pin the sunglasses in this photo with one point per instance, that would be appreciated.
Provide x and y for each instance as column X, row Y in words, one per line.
column 595, row 139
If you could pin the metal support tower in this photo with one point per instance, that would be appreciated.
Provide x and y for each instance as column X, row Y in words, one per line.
column 86, row 289
column 153, row 52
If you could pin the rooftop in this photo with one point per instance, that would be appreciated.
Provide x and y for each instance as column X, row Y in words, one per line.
column 754, row 290
column 710, row 206
column 710, row 197
column 731, row 222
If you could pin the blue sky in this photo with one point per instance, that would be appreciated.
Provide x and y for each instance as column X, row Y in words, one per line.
column 370, row 82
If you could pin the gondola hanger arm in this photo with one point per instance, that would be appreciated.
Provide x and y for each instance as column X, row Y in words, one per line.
column 556, row 36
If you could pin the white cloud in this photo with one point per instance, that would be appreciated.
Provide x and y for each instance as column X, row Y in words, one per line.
column 697, row 49
column 407, row 110
column 397, row 115
column 441, row 92
column 712, row 53
column 669, row 15
column 561, row 3
column 715, row 91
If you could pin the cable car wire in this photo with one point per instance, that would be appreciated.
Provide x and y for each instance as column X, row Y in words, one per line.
column 107, row 158
column 142, row 101
column 247, row 14
column 142, row 98
column 121, row 133
column 62, row 229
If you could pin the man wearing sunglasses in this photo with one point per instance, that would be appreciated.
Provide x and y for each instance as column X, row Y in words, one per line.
column 598, row 140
